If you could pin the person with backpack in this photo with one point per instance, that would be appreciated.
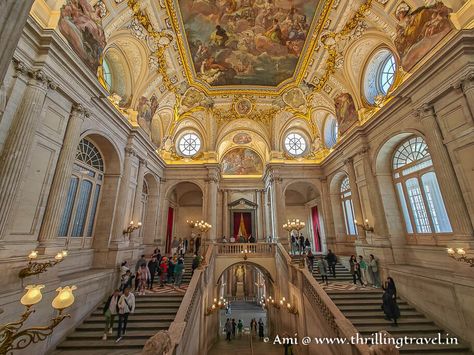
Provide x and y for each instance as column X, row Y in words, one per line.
column 109, row 311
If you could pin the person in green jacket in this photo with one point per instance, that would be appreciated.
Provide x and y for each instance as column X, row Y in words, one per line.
column 364, row 270
column 240, row 327
column 178, row 272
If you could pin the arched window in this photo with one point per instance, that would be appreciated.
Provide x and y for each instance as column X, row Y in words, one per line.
column 295, row 144
column 330, row 131
column 347, row 207
column 83, row 193
column 189, row 144
column 144, row 203
column 379, row 74
column 106, row 74
column 418, row 190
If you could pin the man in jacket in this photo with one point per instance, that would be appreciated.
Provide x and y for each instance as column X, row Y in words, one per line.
column 153, row 267
column 331, row 258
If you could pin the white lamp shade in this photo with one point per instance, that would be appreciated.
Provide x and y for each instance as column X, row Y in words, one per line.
column 32, row 296
column 65, row 298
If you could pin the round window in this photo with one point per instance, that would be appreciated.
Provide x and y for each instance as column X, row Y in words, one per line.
column 295, row 144
column 189, row 144
column 379, row 74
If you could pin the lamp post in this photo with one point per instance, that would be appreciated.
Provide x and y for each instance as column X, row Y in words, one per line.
column 13, row 337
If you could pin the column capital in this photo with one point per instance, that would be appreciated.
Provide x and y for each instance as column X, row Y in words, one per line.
column 364, row 150
column 467, row 83
column 21, row 68
column 143, row 161
column 130, row 151
column 78, row 110
column 425, row 111
column 348, row 161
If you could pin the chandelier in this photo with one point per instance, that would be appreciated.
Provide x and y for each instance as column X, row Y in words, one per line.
column 294, row 224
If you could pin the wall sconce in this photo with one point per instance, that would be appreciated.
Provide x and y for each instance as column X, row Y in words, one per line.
column 272, row 302
column 460, row 255
column 217, row 304
column 34, row 268
column 131, row 227
column 291, row 308
column 245, row 252
column 366, row 227
column 14, row 338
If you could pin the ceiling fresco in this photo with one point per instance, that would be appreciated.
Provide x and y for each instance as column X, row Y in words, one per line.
column 246, row 44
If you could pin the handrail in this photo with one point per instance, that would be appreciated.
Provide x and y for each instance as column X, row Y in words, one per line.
column 323, row 304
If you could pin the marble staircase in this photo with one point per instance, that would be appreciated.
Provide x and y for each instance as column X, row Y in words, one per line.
column 362, row 306
column 154, row 311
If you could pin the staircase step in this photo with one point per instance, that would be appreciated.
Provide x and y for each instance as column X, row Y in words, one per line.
column 378, row 313
column 382, row 322
column 402, row 328
column 344, row 302
column 142, row 311
column 101, row 344
column 97, row 334
column 91, row 327
column 368, row 307
column 134, row 318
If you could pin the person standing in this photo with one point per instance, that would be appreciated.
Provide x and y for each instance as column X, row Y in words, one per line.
column 355, row 270
column 331, row 258
column 240, row 327
column 109, row 311
column 323, row 268
column 192, row 244
column 126, row 305
column 389, row 301
column 174, row 246
column 163, row 270
column 152, row 267
column 171, row 265
column 126, row 281
column 195, row 263
column 253, row 326
column 364, row 273
column 228, row 329
column 178, row 273
column 301, row 245
column 307, row 245
column 140, row 262
column 310, row 257
column 198, row 243
column 294, row 244
column 143, row 276
column 374, row 271
column 186, row 244
column 260, row 329
column 234, row 326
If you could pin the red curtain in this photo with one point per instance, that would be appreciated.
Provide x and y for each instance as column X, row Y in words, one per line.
column 169, row 229
column 316, row 229
column 246, row 219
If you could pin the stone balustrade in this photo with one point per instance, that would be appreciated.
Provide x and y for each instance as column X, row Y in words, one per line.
column 245, row 248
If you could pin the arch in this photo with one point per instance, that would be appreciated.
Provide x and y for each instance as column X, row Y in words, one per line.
column 148, row 230
column 264, row 264
column 336, row 180
column 170, row 188
column 259, row 267
column 109, row 150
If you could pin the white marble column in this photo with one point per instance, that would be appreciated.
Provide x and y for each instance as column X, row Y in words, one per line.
column 447, row 179
column 13, row 16
column 212, row 204
column 279, row 208
column 225, row 214
column 17, row 149
column 261, row 215
column 349, row 163
column 122, row 199
column 137, row 202
column 62, row 177
column 267, row 212
column 327, row 215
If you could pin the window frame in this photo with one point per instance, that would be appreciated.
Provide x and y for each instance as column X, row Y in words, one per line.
column 302, row 137
column 181, row 137
column 399, row 178
column 346, row 195
column 334, row 130
column 83, row 172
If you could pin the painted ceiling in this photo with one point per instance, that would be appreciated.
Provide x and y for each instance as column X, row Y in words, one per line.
column 235, row 45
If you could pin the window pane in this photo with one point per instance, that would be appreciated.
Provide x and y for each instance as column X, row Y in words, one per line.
column 64, row 226
column 189, row 144
column 81, row 210
column 435, row 203
column 345, row 217
column 418, row 206
column 295, row 144
column 350, row 217
column 403, row 203
column 93, row 211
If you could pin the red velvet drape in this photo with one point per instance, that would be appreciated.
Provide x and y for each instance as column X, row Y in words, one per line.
column 316, row 228
column 247, row 219
column 169, row 229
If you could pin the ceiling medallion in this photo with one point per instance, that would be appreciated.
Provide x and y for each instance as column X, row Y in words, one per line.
column 242, row 138
column 242, row 106
column 247, row 47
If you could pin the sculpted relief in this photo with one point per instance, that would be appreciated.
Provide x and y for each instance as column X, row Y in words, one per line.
column 81, row 25
column 418, row 32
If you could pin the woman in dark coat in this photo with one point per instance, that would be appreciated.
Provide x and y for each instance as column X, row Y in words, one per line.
column 260, row 329
column 389, row 301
